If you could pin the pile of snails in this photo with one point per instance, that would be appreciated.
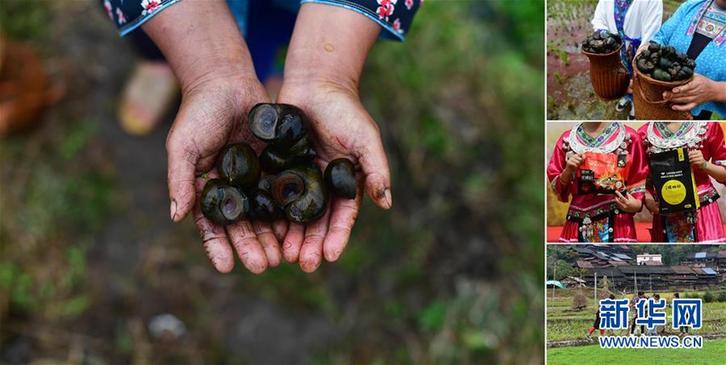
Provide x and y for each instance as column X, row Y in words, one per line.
column 283, row 182
column 663, row 63
column 601, row 42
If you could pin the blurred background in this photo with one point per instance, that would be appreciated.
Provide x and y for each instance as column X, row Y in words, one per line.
column 93, row 272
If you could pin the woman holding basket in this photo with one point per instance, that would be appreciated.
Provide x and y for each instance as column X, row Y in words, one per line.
column 698, row 28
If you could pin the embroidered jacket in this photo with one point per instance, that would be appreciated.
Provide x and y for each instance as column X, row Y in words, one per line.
column 394, row 16
column 678, row 32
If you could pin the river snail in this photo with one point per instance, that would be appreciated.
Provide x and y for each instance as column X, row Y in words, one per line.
column 238, row 164
column 300, row 193
column 664, row 63
column 283, row 181
column 278, row 124
column 340, row 178
column 262, row 207
column 282, row 126
column 274, row 159
column 602, row 42
column 222, row 203
column 265, row 183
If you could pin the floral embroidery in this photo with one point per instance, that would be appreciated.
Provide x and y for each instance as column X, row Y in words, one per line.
column 661, row 139
column 386, row 8
column 612, row 138
column 678, row 228
column 150, row 6
column 109, row 9
column 128, row 15
column 120, row 15
column 397, row 26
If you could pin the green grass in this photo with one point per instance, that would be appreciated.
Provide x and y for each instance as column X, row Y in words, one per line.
column 713, row 352
column 44, row 241
column 563, row 323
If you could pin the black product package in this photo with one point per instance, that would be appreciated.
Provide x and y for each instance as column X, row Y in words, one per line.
column 673, row 179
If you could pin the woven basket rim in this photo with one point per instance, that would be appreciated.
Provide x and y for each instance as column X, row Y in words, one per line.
column 601, row 54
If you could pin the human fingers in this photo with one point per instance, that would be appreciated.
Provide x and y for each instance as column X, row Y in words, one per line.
column 214, row 237
column 270, row 244
column 279, row 227
column 683, row 98
column 684, row 107
column 311, row 251
column 619, row 197
column 292, row 242
column 687, row 88
column 248, row 248
column 343, row 213
column 181, row 160
column 374, row 163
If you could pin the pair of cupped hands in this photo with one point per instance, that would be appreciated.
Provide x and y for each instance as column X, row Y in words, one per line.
column 219, row 87
column 213, row 114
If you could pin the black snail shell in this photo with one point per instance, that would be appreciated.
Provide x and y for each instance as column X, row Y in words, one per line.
column 664, row 63
column 684, row 73
column 265, row 183
column 300, row 193
column 278, row 124
column 293, row 187
column 340, row 178
column 239, row 165
column 601, row 42
column 274, row 160
column 222, row 203
column 660, row 74
column 645, row 65
column 303, row 149
column 263, row 207
column 669, row 51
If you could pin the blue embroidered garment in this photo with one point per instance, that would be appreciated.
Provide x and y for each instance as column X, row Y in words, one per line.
column 678, row 32
column 395, row 16
column 627, row 52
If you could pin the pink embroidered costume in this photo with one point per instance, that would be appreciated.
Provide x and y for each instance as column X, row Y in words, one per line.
column 595, row 217
column 705, row 224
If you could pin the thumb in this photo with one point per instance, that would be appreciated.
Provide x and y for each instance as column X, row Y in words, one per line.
column 180, row 177
column 374, row 163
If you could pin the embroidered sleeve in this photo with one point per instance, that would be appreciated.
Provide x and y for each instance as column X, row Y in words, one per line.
column 131, row 14
column 394, row 16
column 555, row 168
column 715, row 141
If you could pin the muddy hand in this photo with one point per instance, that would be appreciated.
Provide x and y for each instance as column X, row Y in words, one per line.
column 203, row 46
